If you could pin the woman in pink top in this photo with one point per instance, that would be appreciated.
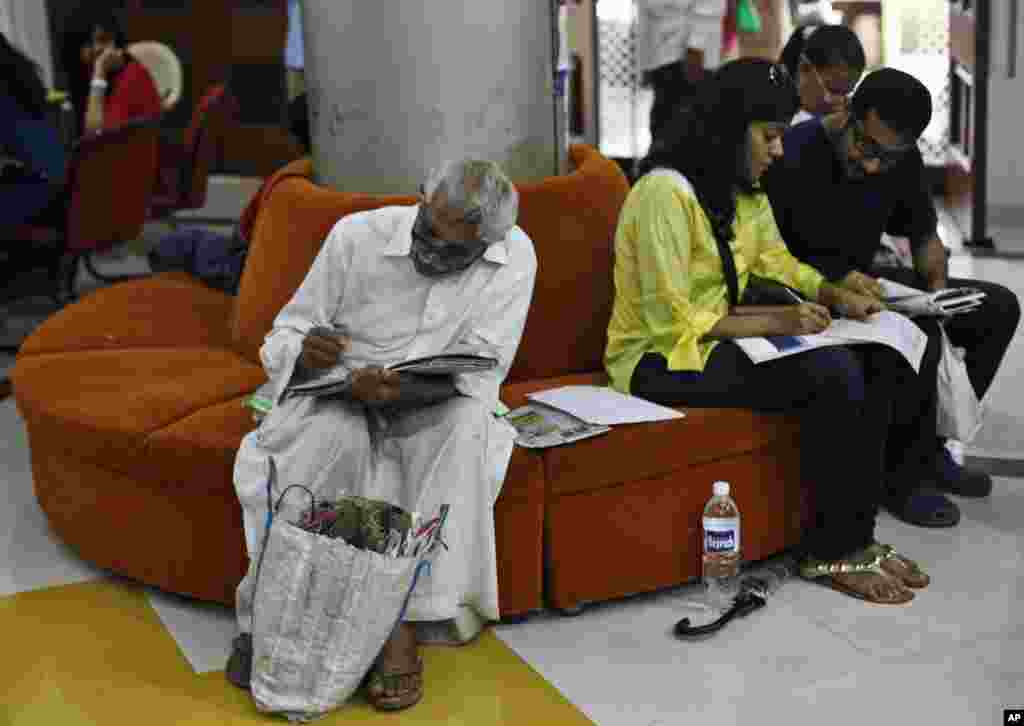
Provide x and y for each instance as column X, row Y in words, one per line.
column 108, row 87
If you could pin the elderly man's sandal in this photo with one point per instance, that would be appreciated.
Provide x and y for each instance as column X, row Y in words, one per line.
column 379, row 679
column 825, row 574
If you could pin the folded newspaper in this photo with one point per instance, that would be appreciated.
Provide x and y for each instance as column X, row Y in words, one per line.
column 538, row 426
column 913, row 302
column 433, row 365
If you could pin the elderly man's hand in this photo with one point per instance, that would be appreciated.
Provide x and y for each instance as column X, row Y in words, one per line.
column 376, row 386
column 322, row 348
column 858, row 282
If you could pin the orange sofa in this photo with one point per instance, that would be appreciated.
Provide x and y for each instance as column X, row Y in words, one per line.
column 133, row 401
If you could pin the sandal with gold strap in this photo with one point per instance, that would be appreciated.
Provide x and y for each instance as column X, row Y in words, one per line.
column 862, row 562
column 913, row 575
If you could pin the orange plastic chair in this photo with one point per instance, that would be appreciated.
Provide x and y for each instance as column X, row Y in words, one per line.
column 110, row 179
column 185, row 169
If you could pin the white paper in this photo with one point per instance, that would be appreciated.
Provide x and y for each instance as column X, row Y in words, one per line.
column 886, row 327
column 602, row 405
column 891, row 288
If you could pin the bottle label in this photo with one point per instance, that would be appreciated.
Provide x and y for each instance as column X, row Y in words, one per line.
column 721, row 535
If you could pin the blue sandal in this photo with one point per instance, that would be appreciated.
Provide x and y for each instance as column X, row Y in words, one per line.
column 924, row 507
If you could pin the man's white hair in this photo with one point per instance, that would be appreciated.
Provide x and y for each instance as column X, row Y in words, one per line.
column 481, row 191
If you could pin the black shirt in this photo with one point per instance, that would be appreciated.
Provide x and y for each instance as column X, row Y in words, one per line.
column 833, row 223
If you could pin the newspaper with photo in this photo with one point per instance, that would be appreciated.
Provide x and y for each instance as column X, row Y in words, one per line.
column 539, row 426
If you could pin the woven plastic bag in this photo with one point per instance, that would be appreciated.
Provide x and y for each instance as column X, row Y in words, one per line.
column 323, row 610
column 959, row 410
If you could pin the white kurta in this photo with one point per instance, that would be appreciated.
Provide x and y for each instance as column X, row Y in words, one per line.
column 456, row 452
column 667, row 28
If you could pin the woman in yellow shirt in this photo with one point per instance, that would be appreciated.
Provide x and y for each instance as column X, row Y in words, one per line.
column 692, row 231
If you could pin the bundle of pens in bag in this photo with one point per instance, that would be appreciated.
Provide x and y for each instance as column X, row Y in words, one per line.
column 375, row 526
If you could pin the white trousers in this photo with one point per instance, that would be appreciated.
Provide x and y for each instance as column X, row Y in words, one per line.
column 454, row 453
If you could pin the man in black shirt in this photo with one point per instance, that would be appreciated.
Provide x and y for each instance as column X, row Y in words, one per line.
column 846, row 179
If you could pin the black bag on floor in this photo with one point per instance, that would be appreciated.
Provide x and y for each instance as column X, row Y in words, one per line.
column 215, row 258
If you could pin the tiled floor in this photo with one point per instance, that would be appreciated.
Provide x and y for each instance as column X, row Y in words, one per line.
column 87, row 648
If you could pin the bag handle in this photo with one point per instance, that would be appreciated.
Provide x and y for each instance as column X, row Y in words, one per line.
column 729, row 270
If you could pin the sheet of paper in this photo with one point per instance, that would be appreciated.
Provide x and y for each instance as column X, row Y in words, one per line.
column 891, row 289
column 602, row 405
column 889, row 328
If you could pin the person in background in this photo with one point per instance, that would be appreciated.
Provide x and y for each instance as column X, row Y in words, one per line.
column 453, row 272
column 294, row 53
column 844, row 180
column 32, row 157
column 697, row 212
column 677, row 41
column 108, row 87
column 826, row 61
column 215, row 258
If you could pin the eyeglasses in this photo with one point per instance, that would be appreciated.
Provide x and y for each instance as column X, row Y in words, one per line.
column 886, row 156
column 830, row 94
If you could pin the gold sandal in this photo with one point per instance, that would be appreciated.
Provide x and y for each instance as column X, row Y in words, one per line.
column 871, row 562
column 914, row 576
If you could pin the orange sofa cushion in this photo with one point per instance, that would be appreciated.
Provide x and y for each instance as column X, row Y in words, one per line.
column 170, row 309
column 103, row 404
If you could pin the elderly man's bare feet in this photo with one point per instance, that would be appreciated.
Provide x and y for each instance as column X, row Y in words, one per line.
column 396, row 680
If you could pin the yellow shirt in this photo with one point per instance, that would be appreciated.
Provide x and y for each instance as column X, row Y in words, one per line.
column 670, row 288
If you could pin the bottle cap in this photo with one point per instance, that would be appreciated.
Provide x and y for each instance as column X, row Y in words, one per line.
column 721, row 488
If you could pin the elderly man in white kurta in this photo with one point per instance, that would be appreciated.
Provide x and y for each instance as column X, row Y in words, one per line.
column 452, row 273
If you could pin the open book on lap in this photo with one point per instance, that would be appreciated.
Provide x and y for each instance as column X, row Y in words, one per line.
column 442, row 364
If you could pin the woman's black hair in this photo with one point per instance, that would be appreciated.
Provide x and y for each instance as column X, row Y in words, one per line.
column 77, row 32
column 824, row 46
column 708, row 141
column 21, row 79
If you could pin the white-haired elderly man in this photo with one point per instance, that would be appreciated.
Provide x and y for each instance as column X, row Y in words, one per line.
column 454, row 272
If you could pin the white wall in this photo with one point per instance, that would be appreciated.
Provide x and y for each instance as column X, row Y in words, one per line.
column 396, row 88
column 1005, row 118
column 25, row 25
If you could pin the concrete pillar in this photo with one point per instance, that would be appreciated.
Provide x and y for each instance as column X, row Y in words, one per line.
column 397, row 87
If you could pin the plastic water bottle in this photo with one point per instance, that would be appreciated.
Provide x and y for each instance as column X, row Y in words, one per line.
column 721, row 562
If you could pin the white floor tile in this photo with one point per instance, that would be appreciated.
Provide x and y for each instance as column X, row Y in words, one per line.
column 203, row 631
column 33, row 556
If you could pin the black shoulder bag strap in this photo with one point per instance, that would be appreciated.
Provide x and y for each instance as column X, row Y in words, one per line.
column 729, row 270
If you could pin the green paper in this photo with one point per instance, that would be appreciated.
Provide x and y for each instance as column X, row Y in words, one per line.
column 748, row 20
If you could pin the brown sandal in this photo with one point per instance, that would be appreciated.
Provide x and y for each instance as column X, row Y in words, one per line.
column 863, row 562
column 911, row 576
column 379, row 680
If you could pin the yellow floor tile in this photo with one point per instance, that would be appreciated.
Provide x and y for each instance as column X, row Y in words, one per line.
column 96, row 653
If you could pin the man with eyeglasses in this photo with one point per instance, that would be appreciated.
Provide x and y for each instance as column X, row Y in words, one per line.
column 451, row 274
column 843, row 181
